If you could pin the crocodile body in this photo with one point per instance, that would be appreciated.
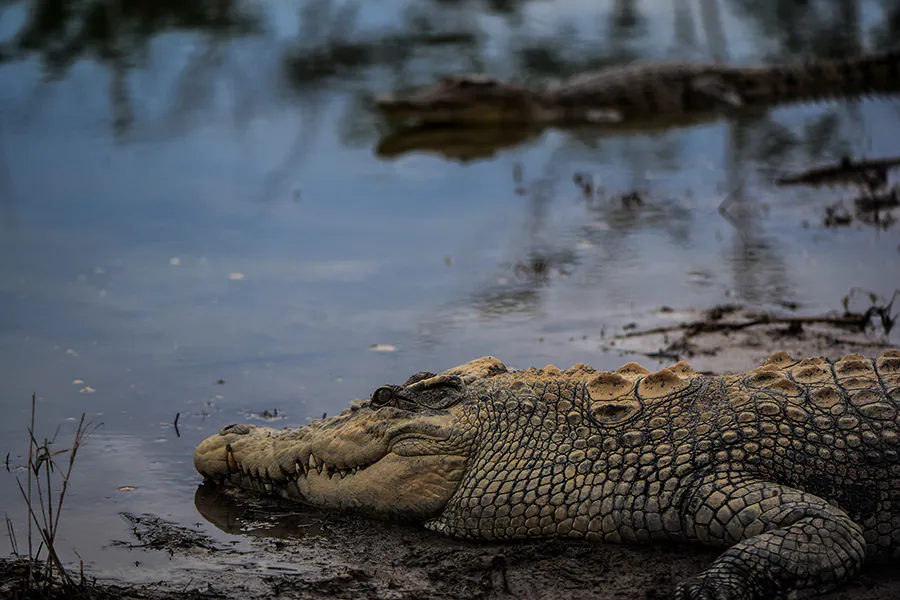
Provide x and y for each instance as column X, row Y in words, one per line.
column 641, row 90
column 793, row 468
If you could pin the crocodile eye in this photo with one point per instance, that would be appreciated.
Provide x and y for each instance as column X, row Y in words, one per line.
column 382, row 396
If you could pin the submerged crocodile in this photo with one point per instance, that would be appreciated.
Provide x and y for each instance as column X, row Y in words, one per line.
column 793, row 468
column 640, row 90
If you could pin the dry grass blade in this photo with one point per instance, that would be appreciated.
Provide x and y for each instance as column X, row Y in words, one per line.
column 28, row 499
column 11, row 532
column 44, row 511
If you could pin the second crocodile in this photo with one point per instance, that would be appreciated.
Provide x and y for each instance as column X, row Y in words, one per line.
column 641, row 90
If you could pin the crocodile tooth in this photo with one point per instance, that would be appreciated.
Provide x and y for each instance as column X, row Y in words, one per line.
column 230, row 462
column 325, row 467
column 312, row 462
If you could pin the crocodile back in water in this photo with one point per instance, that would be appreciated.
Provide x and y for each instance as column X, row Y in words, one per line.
column 644, row 89
column 668, row 88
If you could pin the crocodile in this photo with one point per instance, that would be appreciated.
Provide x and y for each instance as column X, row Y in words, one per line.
column 792, row 468
column 640, row 90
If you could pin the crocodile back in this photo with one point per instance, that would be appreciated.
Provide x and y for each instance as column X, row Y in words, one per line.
column 673, row 88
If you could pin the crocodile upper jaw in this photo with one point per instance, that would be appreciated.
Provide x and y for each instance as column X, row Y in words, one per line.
column 367, row 461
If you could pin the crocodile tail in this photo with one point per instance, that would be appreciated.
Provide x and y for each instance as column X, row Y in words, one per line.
column 851, row 77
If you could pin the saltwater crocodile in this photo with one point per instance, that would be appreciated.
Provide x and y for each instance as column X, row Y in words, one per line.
column 641, row 90
column 793, row 467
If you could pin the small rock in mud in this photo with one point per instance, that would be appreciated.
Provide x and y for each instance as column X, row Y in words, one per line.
column 266, row 415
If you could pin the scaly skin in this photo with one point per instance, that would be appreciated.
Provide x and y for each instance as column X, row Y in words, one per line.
column 642, row 90
column 793, row 468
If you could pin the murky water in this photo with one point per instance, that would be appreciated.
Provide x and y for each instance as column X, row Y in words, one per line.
column 194, row 220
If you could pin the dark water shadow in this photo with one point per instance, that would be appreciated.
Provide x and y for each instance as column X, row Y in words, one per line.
column 237, row 512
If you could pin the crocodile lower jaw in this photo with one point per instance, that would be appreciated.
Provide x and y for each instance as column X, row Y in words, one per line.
column 305, row 468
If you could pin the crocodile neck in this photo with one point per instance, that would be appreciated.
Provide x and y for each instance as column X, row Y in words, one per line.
column 575, row 470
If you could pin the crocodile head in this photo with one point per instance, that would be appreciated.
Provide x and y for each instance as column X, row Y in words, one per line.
column 466, row 99
column 402, row 453
column 472, row 451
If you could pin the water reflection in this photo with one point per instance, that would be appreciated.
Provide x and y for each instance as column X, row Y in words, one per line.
column 323, row 60
column 62, row 32
column 118, row 35
column 831, row 28
column 331, row 41
column 257, row 516
column 463, row 144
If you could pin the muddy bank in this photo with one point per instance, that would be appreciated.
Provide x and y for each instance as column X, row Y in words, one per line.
column 296, row 552
column 341, row 556
column 350, row 557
